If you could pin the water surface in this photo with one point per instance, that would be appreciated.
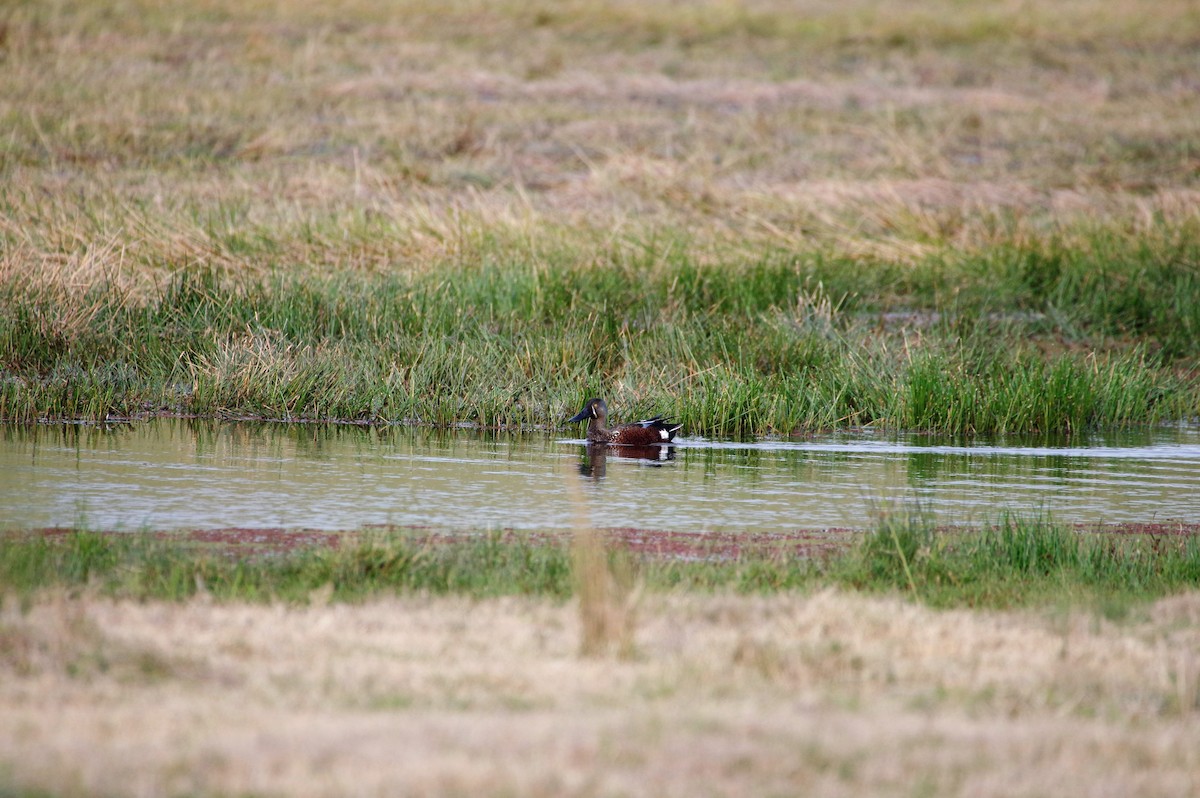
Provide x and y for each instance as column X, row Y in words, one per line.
column 176, row 474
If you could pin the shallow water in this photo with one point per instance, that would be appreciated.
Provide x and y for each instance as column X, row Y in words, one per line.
column 175, row 474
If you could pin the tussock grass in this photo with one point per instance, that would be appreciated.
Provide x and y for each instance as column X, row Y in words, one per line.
column 1028, row 342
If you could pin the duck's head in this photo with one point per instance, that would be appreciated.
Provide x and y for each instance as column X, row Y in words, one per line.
column 592, row 408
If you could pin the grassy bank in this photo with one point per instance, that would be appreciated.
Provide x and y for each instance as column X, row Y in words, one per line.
column 1051, row 660
column 1053, row 337
column 1013, row 563
column 761, row 219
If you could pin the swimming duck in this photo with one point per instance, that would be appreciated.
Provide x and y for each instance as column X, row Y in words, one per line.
column 639, row 433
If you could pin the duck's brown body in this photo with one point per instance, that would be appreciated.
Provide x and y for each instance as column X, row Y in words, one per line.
column 640, row 433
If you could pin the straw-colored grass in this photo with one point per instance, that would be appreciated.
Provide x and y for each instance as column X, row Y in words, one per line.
column 827, row 693
column 381, row 135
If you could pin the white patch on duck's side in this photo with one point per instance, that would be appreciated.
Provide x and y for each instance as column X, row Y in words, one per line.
column 662, row 433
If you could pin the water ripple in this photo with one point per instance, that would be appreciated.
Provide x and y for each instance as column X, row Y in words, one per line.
column 175, row 474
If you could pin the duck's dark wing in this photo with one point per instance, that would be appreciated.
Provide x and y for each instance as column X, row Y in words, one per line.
column 666, row 429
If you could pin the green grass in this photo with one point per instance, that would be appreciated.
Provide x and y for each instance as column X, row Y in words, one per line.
column 929, row 216
column 1022, row 561
column 148, row 567
column 1041, row 338
column 1014, row 562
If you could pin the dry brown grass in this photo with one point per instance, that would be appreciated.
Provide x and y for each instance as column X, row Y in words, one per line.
column 378, row 135
column 829, row 693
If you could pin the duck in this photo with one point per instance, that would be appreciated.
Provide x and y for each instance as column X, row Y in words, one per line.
column 640, row 433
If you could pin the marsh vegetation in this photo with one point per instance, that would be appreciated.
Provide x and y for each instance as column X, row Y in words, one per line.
column 759, row 217
column 1013, row 562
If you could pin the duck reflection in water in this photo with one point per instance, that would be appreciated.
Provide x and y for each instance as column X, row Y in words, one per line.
column 595, row 459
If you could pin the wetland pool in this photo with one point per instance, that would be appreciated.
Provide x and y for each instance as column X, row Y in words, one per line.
column 169, row 474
